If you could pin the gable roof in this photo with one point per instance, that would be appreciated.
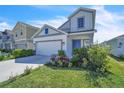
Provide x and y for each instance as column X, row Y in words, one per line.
column 46, row 25
column 6, row 31
column 120, row 36
column 19, row 22
column 63, row 24
column 93, row 11
column 115, row 38
column 81, row 9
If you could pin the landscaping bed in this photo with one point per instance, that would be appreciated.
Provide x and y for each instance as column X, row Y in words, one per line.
column 17, row 53
column 93, row 58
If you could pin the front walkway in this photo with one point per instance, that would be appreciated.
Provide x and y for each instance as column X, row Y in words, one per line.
column 17, row 66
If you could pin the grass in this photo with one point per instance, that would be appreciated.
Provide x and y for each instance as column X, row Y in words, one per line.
column 57, row 77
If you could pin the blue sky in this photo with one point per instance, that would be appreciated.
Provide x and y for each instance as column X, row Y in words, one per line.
column 109, row 19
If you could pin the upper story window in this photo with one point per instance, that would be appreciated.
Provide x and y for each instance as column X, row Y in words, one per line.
column 80, row 22
column 16, row 35
column 8, row 37
column 46, row 30
column 21, row 33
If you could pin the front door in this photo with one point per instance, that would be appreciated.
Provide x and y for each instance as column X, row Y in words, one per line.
column 76, row 43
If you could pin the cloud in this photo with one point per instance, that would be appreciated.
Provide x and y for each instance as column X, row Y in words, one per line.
column 108, row 24
column 59, row 20
column 67, row 8
column 4, row 25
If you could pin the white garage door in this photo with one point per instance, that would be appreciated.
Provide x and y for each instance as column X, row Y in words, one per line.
column 48, row 47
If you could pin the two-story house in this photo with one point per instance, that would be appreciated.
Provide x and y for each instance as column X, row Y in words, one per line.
column 6, row 40
column 78, row 31
column 22, row 35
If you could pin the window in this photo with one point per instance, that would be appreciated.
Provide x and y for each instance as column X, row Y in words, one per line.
column 80, row 22
column 8, row 37
column 120, row 45
column 16, row 35
column 21, row 33
column 46, row 30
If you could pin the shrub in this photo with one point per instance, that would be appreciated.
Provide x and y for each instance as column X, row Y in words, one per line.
column 94, row 58
column 53, row 57
column 53, row 60
column 82, row 52
column 63, row 61
column 30, row 52
column 121, row 56
column 17, row 53
column 6, row 50
column 76, row 61
column 61, row 53
column 8, row 57
column 22, row 53
column 1, row 58
column 98, row 58
column 59, row 60
column 60, row 63
column 70, row 64
column 11, row 57
column 85, row 63
column 78, row 55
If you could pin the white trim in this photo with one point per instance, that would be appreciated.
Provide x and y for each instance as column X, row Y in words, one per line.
column 56, row 29
column 50, row 27
column 20, row 39
column 23, row 39
column 36, row 33
column 80, row 33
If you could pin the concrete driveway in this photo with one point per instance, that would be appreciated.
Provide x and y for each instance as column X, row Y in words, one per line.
column 17, row 66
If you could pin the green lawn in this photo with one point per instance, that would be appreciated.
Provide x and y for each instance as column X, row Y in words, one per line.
column 64, row 77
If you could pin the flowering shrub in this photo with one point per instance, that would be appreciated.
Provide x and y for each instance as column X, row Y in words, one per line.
column 59, row 60
column 94, row 58
column 64, row 60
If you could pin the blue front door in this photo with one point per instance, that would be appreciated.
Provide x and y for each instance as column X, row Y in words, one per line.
column 76, row 43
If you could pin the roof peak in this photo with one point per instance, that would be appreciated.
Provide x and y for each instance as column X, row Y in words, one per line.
column 26, row 24
column 81, row 9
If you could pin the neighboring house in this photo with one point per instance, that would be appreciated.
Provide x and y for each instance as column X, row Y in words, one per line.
column 6, row 39
column 78, row 31
column 22, row 35
column 116, row 45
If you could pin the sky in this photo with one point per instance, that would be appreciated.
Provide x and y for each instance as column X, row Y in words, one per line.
column 109, row 19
